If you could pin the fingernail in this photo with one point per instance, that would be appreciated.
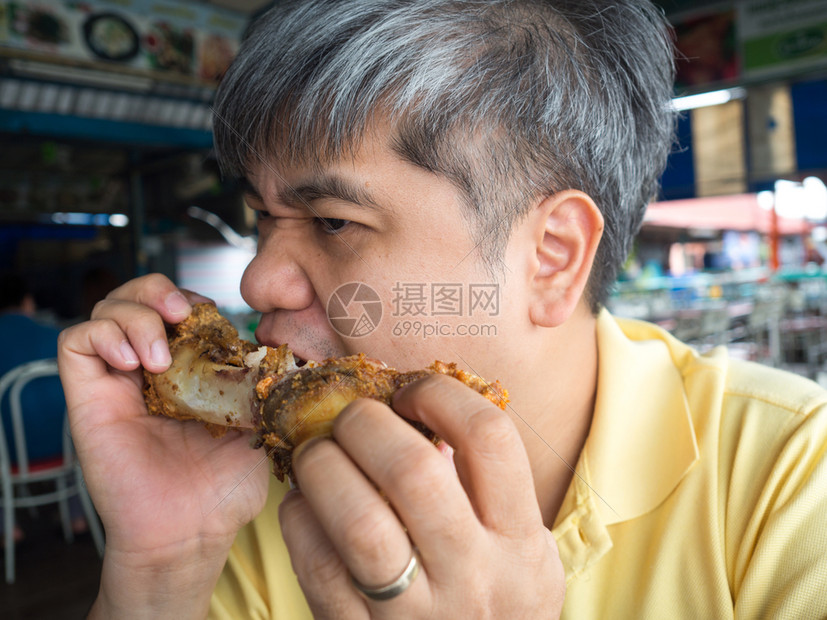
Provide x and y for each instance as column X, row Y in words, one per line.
column 177, row 304
column 159, row 353
column 448, row 452
column 293, row 491
column 128, row 353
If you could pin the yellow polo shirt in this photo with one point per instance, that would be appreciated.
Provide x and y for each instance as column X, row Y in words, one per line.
column 701, row 492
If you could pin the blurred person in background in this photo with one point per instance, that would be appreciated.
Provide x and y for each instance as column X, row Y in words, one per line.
column 24, row 339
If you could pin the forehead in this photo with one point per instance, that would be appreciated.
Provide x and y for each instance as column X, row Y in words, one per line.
column 375, row 176
column 281, row 165
column 286, row 152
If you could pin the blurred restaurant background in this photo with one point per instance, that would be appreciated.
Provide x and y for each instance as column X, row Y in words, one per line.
column 733, row 251
column 106, row 171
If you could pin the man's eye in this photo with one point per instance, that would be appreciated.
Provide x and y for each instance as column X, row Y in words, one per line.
column 331, row 225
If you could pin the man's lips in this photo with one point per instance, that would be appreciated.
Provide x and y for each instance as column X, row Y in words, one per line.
column 308, row 336
column 300, row 358
column 300, row 354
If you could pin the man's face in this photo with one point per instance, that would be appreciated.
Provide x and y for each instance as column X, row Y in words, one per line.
column 397, row 236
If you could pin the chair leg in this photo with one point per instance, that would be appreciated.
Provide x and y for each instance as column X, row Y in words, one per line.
column 90, row 512
column 8, row 535
column 63, row 508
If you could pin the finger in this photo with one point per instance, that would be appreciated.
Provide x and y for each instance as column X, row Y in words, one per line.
column 322, row 574
column 416, row 477
column 87, row 353
column 97, row 343
column 155, row 291
column 366, row 533
column 142, row 327
column 489, row 454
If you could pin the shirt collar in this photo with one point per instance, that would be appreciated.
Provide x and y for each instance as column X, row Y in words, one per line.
column 642, row 440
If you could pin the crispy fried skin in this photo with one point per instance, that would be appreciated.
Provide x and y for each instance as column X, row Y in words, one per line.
column 226, row 382
column 305, row 402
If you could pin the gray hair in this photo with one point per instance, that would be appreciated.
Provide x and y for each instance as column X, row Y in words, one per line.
column 510, row 100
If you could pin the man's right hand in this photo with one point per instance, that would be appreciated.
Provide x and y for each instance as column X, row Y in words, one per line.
column 171, row 497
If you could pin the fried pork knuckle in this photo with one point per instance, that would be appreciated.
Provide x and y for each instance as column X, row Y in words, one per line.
column 223, row 381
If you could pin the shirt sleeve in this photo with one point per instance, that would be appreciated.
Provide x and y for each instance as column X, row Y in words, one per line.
column 780, row 567
column 258, row 580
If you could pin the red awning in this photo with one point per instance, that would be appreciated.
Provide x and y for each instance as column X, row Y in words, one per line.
column 739, row 212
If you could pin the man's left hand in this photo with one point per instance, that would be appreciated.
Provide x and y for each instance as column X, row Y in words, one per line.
column 379, row 489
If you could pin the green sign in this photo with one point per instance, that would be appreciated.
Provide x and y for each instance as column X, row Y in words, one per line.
column 780, row 36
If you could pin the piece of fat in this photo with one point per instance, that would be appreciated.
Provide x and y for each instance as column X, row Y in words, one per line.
column 195, row 387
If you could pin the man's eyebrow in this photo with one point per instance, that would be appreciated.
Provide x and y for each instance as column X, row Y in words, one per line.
column 249, row 189
column 326, row 186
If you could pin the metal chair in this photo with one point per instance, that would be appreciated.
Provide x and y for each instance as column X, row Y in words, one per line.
column 18, row 488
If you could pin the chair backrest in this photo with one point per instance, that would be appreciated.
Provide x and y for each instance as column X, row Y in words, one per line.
column 14, row 381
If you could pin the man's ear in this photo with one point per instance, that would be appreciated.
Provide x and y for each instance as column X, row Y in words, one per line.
column 566, row 228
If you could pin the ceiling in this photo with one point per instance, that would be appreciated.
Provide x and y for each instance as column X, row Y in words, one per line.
column 670, row 6
column 240, row 6
column 676, row 7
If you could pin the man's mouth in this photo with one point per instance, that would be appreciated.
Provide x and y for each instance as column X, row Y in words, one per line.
column 306, row 344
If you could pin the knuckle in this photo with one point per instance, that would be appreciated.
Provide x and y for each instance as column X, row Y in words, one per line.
column 489, row 428
column 419, row 472
column 321, row 565
column 315, row 562
column 143, row 326
column 102, row 306
column 372, row 535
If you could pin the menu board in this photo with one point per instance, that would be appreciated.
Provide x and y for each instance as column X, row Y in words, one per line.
column 188, row 39
column 707, row 49
column 782, row 36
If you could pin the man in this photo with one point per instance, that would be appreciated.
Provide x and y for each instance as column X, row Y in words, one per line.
column 495, row 145
column 24, row 340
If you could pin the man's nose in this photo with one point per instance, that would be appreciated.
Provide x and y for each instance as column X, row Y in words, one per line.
column 275, row 278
